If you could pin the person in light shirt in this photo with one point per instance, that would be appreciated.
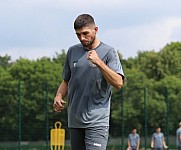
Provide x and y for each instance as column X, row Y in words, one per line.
column 133, row 140
column 178, row 137
column 158, row 140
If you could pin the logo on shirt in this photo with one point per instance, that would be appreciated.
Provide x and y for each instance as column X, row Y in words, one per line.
column 74, row 63
column 96, row 144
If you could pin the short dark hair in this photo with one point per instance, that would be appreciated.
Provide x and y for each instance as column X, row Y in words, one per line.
column 83, row 21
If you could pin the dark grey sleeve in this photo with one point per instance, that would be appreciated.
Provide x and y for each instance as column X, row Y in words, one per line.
column 114, row 63
column 66, row 74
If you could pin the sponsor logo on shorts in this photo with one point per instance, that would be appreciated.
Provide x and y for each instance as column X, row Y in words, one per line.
column 96, row 144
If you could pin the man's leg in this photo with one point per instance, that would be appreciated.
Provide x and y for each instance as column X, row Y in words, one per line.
column 96, row 138
column 77, row 138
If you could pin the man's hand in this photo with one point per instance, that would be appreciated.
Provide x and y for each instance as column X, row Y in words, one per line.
column 58, row 104
column 93, row 57
column 128, row 148
column 165, row 146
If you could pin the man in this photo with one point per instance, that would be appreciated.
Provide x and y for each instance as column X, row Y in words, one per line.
column 178, row 137
column 90, row 71
column 158, row 141
column 133, row 140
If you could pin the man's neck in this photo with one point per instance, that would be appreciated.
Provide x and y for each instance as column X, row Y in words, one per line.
column 94, row 45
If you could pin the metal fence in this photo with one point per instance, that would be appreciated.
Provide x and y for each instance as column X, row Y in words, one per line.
column 14, row 133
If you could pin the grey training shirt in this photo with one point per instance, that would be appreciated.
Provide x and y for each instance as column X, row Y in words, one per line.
column 88, row 92
column 178, row 141
column 158, row 140
column 134, row 139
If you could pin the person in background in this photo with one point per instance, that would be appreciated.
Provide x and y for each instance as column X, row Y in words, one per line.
column 133, row 140
column 178, row 137
column 158, row 140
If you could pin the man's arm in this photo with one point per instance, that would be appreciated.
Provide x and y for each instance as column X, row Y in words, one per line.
column 129, row 144
column 62, row 91
column 111, row 76
column 164, row 144
column 152, row 142
column 138, row 144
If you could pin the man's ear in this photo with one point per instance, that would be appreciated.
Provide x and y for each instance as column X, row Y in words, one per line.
column 96, row 29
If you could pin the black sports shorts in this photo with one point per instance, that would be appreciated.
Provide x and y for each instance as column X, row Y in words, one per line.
column 93, row 138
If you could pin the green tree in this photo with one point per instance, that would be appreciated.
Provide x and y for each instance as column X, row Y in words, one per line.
column 8, row 106
column 5, row 61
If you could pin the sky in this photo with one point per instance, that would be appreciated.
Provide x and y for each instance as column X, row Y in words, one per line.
column 36, row 28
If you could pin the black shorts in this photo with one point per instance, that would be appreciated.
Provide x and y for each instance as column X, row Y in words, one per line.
column 133, row 148
column 94, row 138
column 158, row 148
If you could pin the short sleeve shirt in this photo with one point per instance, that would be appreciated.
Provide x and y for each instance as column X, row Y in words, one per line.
column 134, row 139
column 88, row 92
column 158, row 140
column 177, row 137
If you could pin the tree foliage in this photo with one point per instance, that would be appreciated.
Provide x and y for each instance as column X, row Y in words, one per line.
column 158, row 72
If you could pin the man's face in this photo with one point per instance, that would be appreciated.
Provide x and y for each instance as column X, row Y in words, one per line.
column 87, row 35
column 134, row 131
column 158, row 130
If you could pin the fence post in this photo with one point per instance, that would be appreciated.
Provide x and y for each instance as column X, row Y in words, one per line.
column 122, row 116
column 19, row 115
column 145, row 116
column 167, row 116
column 46, row 115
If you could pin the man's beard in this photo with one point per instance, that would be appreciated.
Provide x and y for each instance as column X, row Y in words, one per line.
column 88, row 44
